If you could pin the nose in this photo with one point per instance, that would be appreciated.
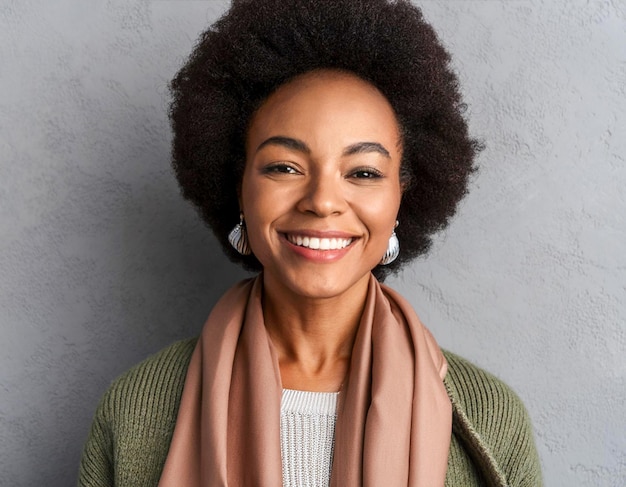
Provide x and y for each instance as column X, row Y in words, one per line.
column 323, row 195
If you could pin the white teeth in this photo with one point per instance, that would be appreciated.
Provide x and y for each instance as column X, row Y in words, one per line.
column 319, row 243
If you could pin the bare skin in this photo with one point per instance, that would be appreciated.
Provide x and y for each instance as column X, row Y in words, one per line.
column 320, row 195
column 313, row 338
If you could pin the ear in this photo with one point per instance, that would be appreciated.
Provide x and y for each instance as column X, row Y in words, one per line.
column 239, row 198
column 239, row 173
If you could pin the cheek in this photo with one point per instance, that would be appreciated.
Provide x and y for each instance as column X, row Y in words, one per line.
column 380, row 216
column 259, row 203
column 257, row 229
column 261, row 207
column 252, row 198
column 251, row 206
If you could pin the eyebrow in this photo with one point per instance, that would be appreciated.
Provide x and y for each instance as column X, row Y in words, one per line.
column 288, row 142
column 363, row 147
column 300, row 146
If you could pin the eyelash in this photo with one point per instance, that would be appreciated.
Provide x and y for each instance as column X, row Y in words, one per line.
column 280, row 168
column 360, row 173
column 370, row 171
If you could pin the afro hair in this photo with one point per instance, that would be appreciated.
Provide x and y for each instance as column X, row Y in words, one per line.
column 260, row 44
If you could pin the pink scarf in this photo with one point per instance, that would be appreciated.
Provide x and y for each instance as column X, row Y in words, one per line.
column 394, row 418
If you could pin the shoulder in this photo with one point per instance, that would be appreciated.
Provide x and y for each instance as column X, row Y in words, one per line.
column 161, row 374
column 150, row 389
column 492, row 423
column 473, row 388
column 162, row 371
column 134, row 422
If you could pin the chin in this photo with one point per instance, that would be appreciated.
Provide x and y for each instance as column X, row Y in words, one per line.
column 321, row 286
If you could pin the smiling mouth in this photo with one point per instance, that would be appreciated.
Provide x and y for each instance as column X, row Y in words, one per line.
column 316, row 243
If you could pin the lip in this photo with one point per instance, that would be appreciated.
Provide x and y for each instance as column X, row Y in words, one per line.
column 318, row 255
column 319, row 233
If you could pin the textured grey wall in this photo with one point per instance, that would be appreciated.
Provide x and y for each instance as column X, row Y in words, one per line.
column 101, row 263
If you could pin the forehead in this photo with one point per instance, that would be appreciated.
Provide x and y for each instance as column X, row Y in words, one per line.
column 329, row 105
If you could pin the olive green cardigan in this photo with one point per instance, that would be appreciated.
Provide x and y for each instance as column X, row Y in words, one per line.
column 492, row 441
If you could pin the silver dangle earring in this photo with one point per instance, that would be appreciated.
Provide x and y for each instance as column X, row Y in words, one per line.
column 238, row 237
column 393, row 248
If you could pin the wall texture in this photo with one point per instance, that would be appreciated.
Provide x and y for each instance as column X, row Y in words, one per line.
column 102, row 263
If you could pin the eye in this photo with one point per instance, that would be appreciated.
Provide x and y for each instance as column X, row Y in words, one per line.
column 366, row 173
column 280, row 168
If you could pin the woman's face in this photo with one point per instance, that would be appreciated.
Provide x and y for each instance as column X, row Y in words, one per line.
column 321, row 186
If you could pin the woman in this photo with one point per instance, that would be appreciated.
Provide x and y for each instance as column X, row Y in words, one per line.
column 323, row 142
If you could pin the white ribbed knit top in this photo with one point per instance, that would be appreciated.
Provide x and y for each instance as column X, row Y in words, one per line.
column 307, row 437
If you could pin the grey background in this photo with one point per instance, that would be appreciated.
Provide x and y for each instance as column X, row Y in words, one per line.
column 102, row 263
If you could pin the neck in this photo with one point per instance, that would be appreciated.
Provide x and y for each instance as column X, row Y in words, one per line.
column 313, row 337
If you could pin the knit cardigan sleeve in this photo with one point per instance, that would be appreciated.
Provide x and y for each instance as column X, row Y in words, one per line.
column 96, row 466
column 132, row 428
column 492, row 424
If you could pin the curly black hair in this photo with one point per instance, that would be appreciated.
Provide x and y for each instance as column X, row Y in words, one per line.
column 260, row 44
